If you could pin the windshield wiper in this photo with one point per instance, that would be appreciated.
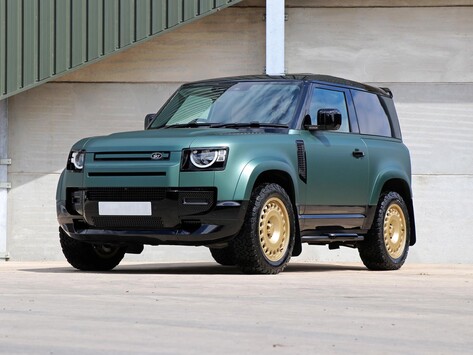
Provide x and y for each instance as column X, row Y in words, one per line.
column 248, row 124
column 188, row 125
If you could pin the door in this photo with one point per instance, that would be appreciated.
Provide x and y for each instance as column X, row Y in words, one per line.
column 337, row 164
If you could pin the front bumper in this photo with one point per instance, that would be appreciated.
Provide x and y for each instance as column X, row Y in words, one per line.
column 179, row 217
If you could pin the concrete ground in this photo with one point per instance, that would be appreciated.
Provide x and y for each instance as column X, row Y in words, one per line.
column 203, row 308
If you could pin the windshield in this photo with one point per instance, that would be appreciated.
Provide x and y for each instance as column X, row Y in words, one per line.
column 232, row 104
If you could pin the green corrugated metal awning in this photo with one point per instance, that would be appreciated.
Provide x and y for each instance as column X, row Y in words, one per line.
column 43, row 39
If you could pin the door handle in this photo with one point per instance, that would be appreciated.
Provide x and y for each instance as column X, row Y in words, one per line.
column 358, row 153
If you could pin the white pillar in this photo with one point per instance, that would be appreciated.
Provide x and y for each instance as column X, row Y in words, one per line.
column 3, row 178
column 275, row 37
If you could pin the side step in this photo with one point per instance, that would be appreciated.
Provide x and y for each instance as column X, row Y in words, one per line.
column 332, row 238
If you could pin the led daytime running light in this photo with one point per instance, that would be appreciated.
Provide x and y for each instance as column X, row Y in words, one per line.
column 77, row 158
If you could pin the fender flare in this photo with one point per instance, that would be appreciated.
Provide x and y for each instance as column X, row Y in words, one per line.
column 254, row 168
column 380, row 181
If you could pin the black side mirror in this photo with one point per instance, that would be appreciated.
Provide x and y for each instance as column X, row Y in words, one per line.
column 329, row 119
column 149, row 118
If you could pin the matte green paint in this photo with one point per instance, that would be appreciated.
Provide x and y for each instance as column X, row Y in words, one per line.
column 388, row 161
column 335, row 177
column 261, row 164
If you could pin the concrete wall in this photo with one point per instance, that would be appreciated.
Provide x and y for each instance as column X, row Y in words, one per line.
column 421, row 49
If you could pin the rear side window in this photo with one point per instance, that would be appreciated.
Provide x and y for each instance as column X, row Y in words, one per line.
column 372, row 117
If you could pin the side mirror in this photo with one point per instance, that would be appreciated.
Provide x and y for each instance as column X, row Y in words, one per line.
column 329, row 119
column 149, row 118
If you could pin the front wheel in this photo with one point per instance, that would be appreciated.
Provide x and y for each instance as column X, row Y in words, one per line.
column 265, row 243
column 90, row 257
column 224, row 256
column 387, row 243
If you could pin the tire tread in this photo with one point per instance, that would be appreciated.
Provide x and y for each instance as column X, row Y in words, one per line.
column 249, row 256
column 372, row 250
column 83, row 257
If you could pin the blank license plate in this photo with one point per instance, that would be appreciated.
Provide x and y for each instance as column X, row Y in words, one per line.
column 125, row 208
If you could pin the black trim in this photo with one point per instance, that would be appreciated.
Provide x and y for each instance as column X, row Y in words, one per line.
column 132, row 156
column 145, row 173
column 300, row 77
column 333, row 217
column 332, row 238
column 219, row 224
column 301, row 160
column 333, row 210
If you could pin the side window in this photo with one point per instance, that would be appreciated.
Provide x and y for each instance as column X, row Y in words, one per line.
column 372, row 118
column 323, row 99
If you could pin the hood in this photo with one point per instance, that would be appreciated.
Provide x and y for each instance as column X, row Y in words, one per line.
column 172, row 139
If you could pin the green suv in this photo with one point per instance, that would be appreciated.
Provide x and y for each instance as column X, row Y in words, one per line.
column 251, row 167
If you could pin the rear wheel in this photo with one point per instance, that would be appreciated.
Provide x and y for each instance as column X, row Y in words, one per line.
column 265, row 243
column 387, row 243
column 90, row 257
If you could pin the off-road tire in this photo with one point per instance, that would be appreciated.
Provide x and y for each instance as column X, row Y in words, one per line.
column 269, row 209
column 224, row 256
column 90, row 257
column 387, row 243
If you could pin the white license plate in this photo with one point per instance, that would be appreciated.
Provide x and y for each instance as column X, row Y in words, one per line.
column 125, row 208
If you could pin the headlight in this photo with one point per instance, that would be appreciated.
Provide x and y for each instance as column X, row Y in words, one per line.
column 76, row 160
column 204, row 158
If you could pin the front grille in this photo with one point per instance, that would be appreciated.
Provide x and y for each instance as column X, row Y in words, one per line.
column 126, row 194
column 127, row 222
column 145, row 173
column 132, row 156
column 168, row 206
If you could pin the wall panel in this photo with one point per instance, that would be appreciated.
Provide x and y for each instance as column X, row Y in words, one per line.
column 94, row 29
column 13, row 34
column 62, row 38
column 46, row 37
column 43, row 39
column 158, row 15
column 30, row 42
column 3, row 44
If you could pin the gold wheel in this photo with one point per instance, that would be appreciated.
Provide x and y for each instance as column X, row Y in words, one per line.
column 394, row 231
column 274, row 229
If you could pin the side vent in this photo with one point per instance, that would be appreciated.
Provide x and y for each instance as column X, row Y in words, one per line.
column 301, row 160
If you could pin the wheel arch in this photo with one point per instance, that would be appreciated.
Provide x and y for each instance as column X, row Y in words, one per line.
column 271, row 172
column 402, row 187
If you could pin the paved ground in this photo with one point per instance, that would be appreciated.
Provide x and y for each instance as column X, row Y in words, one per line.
column 202, row 308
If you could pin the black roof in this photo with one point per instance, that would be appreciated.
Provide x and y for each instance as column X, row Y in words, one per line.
column 303, row 77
